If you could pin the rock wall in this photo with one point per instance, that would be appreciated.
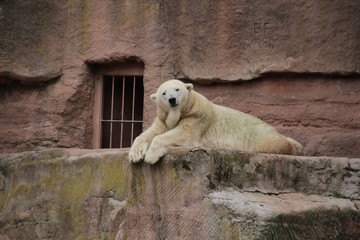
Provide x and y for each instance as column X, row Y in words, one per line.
column 302, row 58
column 51, row 195
column 201, row 194
column 321, row 113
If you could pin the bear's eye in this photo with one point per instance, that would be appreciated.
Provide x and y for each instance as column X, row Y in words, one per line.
column 164, row 93
column 177, row 89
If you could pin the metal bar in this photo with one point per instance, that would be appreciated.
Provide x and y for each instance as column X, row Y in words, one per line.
column 122, row 112
column 122, row 121
column 132, row 111
column 112, row 109
column 98, row 109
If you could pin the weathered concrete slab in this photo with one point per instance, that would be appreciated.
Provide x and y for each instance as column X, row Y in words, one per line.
column 52, row 195
column 228, row 195
column 285, row 216
column 201, row 194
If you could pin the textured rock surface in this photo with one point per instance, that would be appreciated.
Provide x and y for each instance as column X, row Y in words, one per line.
column 53, row 45
column 206, row 40
column 80, row 194
column 321, row 113
column 50, row 195
column 285, row 216
column 32, row 40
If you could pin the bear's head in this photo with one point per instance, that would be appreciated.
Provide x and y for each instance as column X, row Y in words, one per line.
column 172, row 94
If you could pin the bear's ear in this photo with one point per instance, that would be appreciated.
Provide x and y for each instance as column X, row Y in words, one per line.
column 153, row 96
column 189, row 86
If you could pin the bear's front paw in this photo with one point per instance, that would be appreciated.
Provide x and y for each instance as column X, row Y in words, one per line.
column 137, row 152
column 154, row 154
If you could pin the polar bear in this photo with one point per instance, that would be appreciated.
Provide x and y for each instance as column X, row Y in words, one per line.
column 187, row 118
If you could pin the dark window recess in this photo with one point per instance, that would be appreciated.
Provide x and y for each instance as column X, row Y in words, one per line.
column 122, row 117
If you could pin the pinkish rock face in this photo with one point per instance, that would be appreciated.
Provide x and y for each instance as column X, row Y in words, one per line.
column 321, row 113
column 53, row 46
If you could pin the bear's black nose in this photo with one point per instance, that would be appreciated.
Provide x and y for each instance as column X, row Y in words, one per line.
column 172, row 102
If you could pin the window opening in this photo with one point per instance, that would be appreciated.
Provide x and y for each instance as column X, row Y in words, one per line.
column 122, row 110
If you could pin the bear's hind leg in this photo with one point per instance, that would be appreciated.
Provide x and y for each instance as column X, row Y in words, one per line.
column 296, row 147
column 279, row 144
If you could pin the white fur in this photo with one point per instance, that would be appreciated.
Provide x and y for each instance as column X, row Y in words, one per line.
column 186, row 118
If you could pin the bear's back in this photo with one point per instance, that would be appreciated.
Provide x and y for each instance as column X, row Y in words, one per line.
column 234, row 129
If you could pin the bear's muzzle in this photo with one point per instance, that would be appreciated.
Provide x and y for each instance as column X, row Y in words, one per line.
column 172, row 102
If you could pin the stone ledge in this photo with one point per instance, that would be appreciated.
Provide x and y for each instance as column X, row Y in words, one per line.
column 202, row 194
column 286, row 216
column 270, row 173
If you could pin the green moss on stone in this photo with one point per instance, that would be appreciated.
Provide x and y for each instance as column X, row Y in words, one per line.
column 49, row 180
column 85, row 24
column 230, row 169
column 137, row 185
column 172, row 174
column 339, row 195
column 228, row 230
column 315, row 224
column 7, row 196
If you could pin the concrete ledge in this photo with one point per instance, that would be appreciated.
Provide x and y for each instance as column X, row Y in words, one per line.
column 198, row 194
column 285, row 216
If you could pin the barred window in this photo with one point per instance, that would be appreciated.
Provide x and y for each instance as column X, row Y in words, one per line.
column 118, row 109
column 122, row 110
